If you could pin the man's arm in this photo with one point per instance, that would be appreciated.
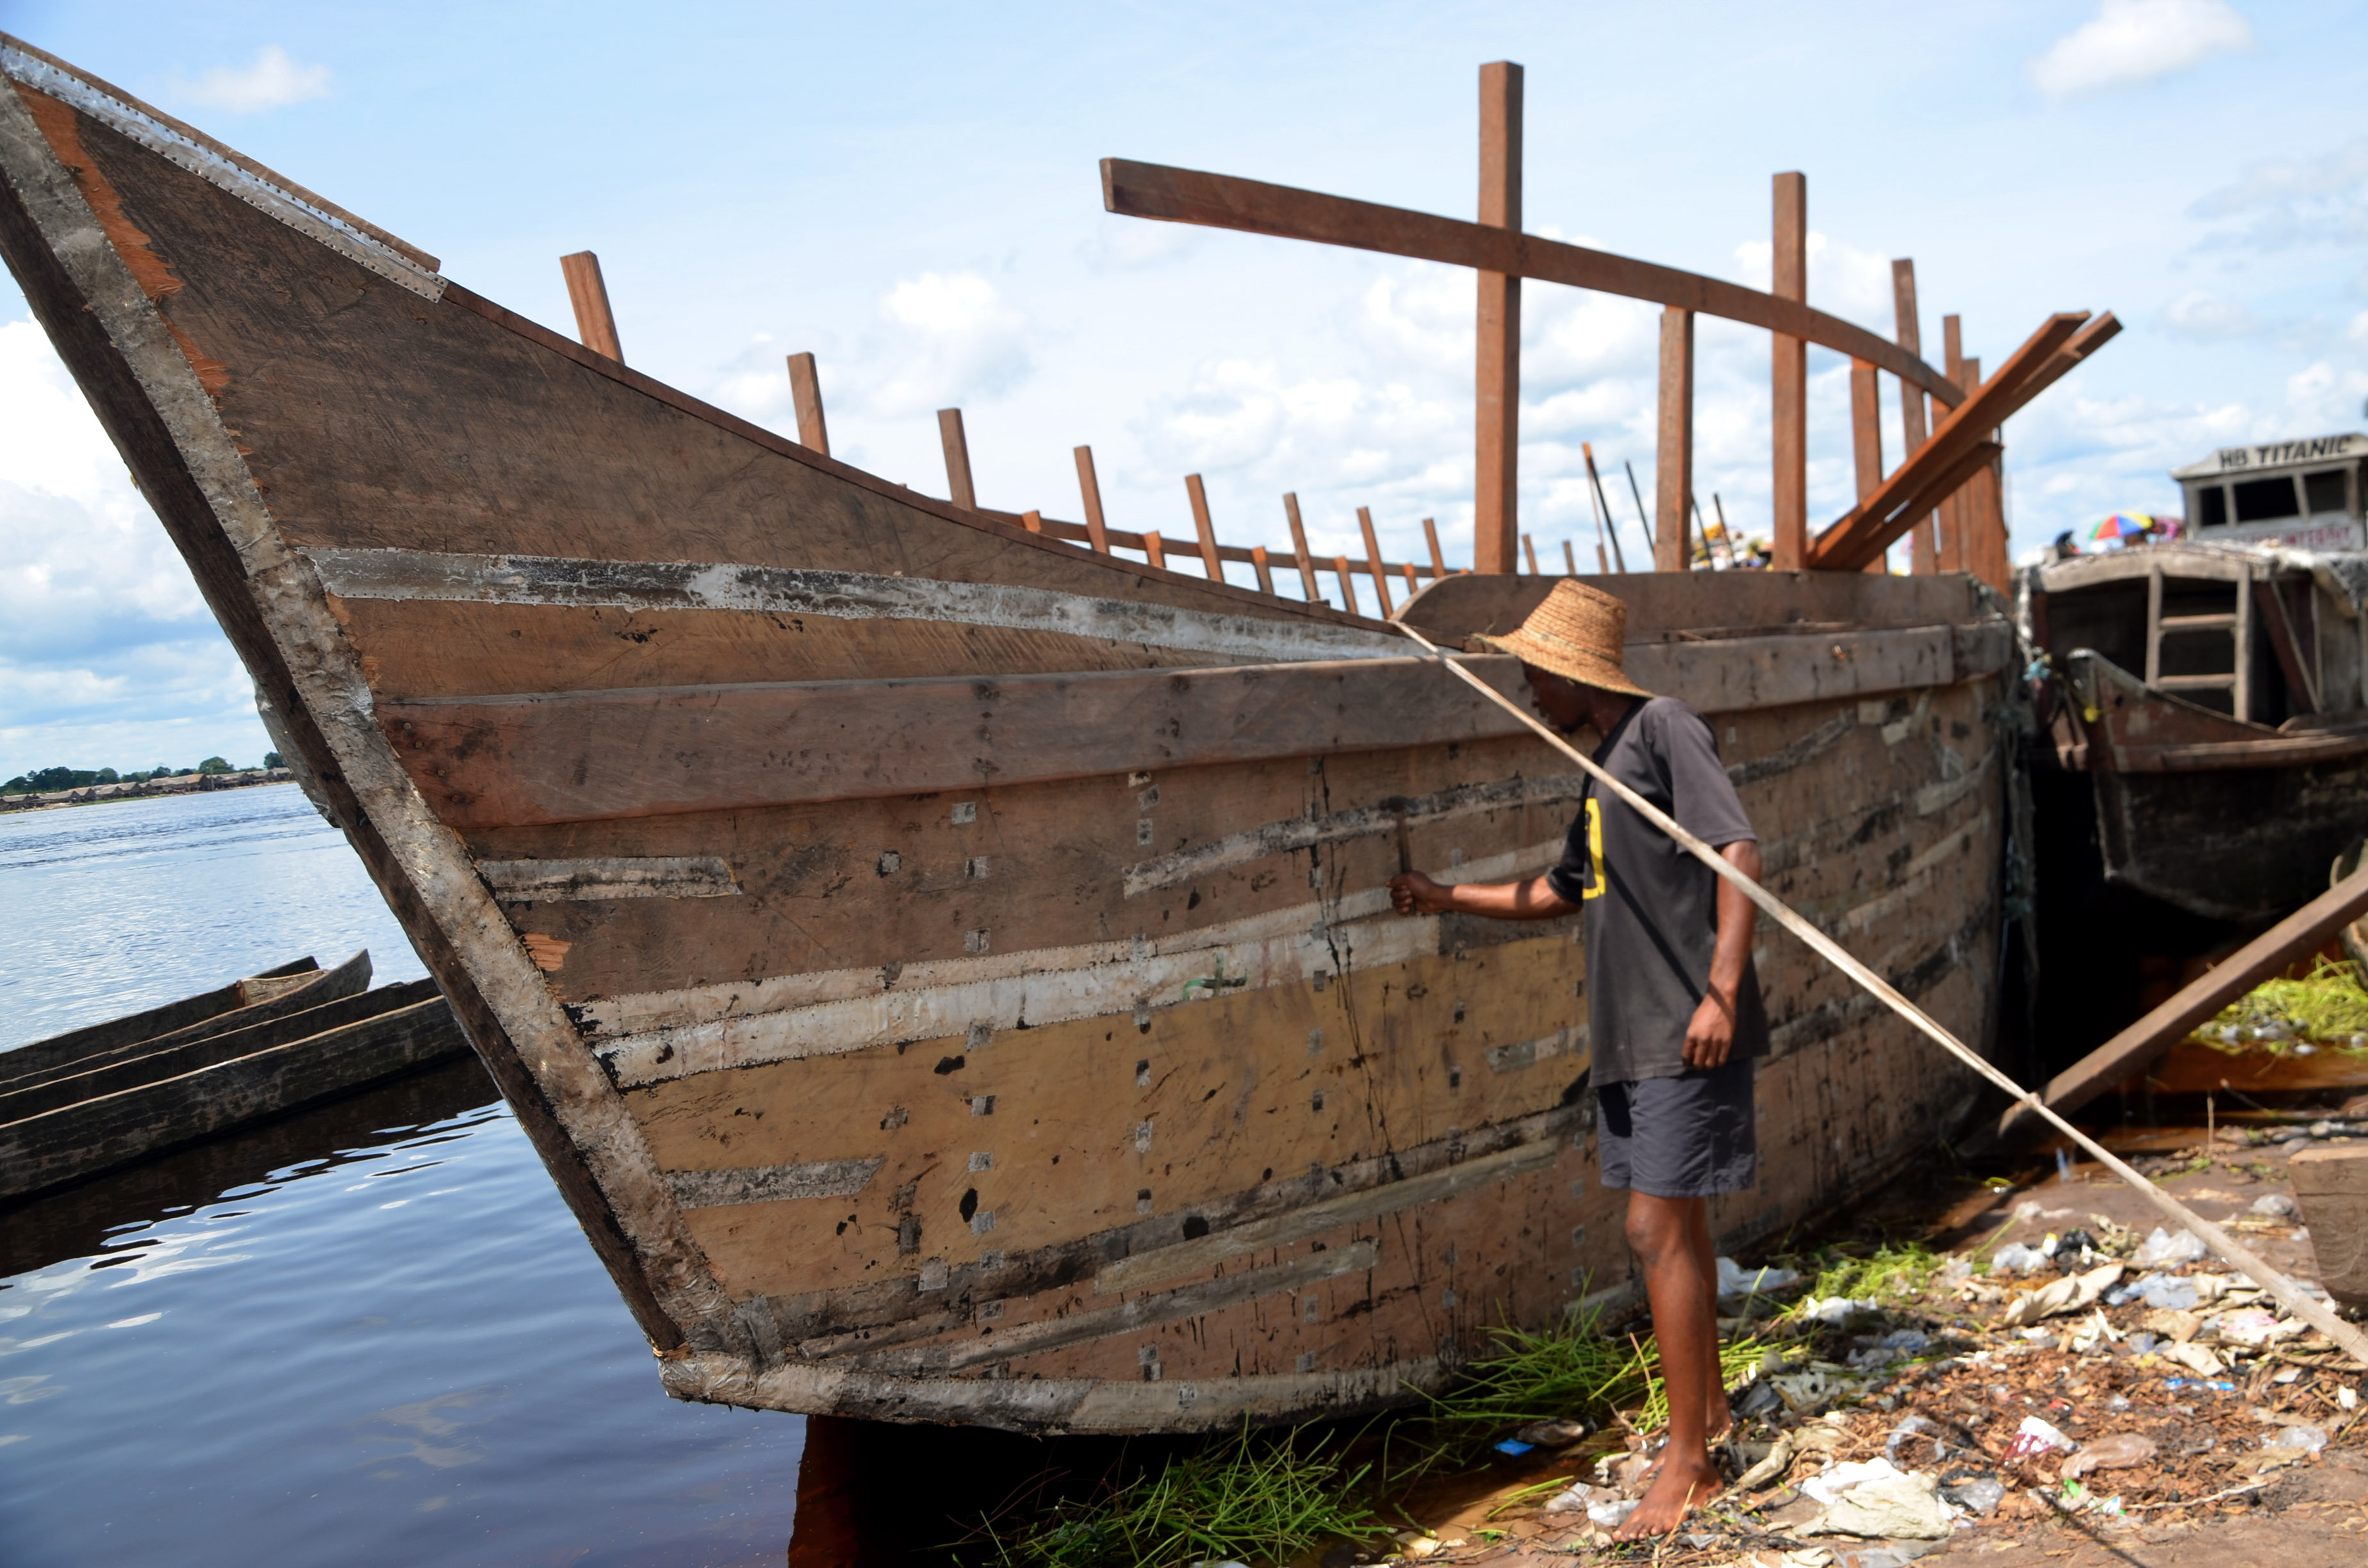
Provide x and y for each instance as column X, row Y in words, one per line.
column 1532, row 898
column 1710, row 1037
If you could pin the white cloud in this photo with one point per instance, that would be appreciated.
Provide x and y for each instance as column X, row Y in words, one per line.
column 108, row 656
column 274, row 80
column 951, row 339
column 1844, row 281
column 2291, row 201
column 2207, row 317
column 2130, row 41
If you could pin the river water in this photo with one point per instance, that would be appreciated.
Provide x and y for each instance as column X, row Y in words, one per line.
column 367, row 1333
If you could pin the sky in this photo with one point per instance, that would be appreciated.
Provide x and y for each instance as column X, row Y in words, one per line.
column 911, row 193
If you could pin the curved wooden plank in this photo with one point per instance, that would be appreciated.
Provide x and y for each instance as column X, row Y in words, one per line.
column 134, row 1028
column 1224, row 202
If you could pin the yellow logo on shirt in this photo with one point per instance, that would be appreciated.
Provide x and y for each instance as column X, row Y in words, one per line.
column 1594, row 848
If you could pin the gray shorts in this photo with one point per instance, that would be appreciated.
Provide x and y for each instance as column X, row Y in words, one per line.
column 1693, row 1136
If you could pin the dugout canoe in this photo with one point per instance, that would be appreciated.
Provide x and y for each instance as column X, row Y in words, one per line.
column 107, row 1108
column 946, row 970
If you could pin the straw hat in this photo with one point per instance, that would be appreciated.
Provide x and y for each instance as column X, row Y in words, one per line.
column 1576, row 633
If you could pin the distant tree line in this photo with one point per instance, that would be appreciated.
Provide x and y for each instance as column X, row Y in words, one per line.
column 43, row 780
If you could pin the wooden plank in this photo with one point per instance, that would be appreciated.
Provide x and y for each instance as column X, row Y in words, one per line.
column 1866, row 429
column 557, row 757
column 1870, row 528
column 1032, row 521
column 1090, row 488
column 2101, row 329
column 1340, row 571
column 1954, row 530
column 2139, row 1045
column 805, row 395
column 2331, row 1185
column 1570, row 559
column 1299, row 546
column 1373, row 561
column 959, row 487
column 1430, row 538
column 1155, row 549
column 594, row 325
column 1921, row 559
column 1498, row 375
column 1205, row 528
column 1789, row 359
column 1265, row 572
column 1530, row 553
column 1680, row 607
column 1673, row 462
column 1221, row 201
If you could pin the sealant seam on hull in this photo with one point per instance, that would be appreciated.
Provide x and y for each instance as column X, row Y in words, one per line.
column 322, row 665
column 644, row 876
column 772, row 1184
column 133, row 121
column 441, row 577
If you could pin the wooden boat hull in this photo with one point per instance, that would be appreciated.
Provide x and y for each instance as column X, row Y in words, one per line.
column 131, row 1028
column 2231, row 821
column 947, row 973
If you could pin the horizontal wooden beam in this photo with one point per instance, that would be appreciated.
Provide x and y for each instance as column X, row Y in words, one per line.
column 488, row 762
column 1120, row 538
column 1224, row 202
column 2140, row 1045
column 1869, row 528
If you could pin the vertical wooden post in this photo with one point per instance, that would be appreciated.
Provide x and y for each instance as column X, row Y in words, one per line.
column 1373, row 561
column 1348, row 585
column 1154, row 549
column 1210, row 560
column 1570, row 559
column 1912, row 428
column 596, row 327
column 1530, row 553
column 1096, row 531
column 1431, row 536
column 1265, row 572
column 1413, row 587
column 1866, row 440
column 1673, row 461
column 958, row 484
column 1032, row 521
column 1791, row 356
column 1498, row 391
column 1951, row 553
column 1299, row 548
column 806, row 393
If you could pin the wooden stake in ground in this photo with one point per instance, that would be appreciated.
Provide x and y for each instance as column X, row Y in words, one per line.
column 2311, row 1310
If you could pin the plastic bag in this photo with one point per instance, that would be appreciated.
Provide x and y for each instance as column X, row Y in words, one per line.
column 2036, row 1437
column 2163, row 1250
column 2119, row 1451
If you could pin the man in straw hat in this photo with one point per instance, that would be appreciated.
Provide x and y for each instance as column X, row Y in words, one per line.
column 1674, row 1012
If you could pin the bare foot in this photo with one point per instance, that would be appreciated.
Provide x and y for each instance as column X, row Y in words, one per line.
column 1683, row 1481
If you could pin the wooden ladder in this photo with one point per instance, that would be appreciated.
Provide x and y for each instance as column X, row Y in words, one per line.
column 2237, row 624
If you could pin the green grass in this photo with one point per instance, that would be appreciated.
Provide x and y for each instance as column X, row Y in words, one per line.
column 1891, row 1273
column 1572, row 1369
column 2328, row 1008
column 1257, row 1496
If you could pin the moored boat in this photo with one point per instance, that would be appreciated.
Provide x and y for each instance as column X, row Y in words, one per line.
column 946, row 970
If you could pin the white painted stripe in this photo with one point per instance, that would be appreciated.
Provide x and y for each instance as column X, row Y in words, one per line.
column 662, row 1035
column 847, row 595
column 228, row 174
column 648, row 876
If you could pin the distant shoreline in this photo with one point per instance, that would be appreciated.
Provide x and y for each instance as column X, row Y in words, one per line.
column 141, row 788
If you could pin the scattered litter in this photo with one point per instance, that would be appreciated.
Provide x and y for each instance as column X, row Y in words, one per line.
column 2306, row 1439
column 2274, row 1206
column 2254, row 1328
column 2196, row 1358
column 1977, row 1495
column 1838, row 1311
column 1877, row 1501
column 1580, row 1498
column 1920, row 1434
column 1770, row 1469
column 1514, row 1447
column 2161, row 1248
column 2074, row 1293
column 2119, row 1451
column 1553, row 1434
column 2017, row 1258
column 1734, row 1281
column 2217, row 1386
column 1612, row 1515
column 2036, row 1437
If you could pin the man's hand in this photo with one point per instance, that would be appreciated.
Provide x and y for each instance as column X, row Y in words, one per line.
column 1411, row 892
column 1710, row 1037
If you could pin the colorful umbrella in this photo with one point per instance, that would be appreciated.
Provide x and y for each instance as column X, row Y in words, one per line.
column 2123, row 525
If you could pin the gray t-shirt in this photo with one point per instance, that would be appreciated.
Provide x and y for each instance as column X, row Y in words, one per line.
column 1651, row 909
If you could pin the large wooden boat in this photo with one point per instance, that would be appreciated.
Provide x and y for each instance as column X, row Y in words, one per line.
column 946, row 970
column 2216, row 699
